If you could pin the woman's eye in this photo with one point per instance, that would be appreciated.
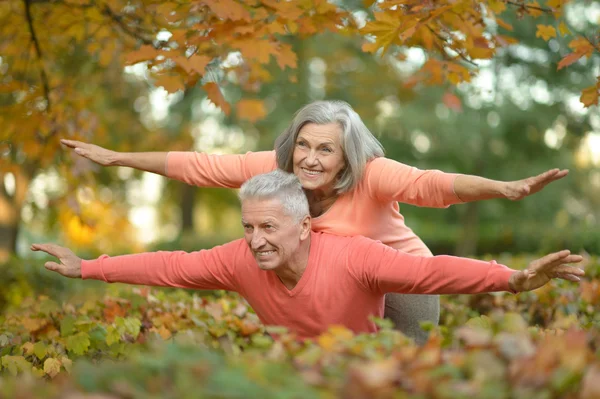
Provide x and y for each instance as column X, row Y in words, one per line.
column 326, row 149
column 301, row 144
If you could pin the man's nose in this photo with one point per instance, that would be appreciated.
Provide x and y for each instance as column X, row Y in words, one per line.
column 258, row 240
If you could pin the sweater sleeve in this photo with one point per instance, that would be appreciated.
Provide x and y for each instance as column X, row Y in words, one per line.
column 206, row 269
column 211, row 170
column 383, row 269
column 389, row 180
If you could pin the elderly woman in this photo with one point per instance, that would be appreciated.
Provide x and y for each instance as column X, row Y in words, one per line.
column 351, row 188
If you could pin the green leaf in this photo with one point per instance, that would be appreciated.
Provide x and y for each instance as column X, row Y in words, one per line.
column 129, row 325
column 39, row 349
column 78, row 343
column 112, row 335
column 15, row 364
column 4, row 340
column 67, row 326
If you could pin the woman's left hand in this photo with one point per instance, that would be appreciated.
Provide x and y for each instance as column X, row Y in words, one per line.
column 516, row 190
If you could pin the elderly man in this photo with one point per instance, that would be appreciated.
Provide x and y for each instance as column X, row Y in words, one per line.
column 303, row 280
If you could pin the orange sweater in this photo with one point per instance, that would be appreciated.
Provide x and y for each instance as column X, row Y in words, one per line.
column 370, row 209
column 344, row 281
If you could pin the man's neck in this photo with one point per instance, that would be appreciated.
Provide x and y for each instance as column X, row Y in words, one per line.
column 291, row 273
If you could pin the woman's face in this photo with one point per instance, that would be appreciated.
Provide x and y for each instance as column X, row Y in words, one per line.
column 318, row 156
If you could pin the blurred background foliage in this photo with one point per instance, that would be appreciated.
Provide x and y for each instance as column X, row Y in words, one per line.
column 518, row 117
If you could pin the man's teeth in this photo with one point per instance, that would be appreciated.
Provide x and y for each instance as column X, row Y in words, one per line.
column 265, row 252
column 312, row 172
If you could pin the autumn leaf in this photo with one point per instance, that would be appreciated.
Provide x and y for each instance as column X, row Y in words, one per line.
column 581, row 45
column 385, row 29
column 568, row 60
column 546, row 32
column 589, row 96
column 452, row 102
column 171, row 83
column 563, row 29
column 229, row 9
column 534, row 9
column 144, row 53
column 251, row 109
column 52, row 367
column 216, row 97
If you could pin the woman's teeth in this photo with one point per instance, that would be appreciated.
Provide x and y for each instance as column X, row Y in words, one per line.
column 312, row 172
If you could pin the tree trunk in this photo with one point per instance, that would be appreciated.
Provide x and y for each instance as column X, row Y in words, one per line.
column 11, row 204
column 188, row 195
column 467, row 243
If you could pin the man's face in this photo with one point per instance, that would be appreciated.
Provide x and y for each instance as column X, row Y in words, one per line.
column 273, row 236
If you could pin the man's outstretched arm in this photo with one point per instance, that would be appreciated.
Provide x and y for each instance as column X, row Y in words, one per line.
column 207, row 269
column 384, row 269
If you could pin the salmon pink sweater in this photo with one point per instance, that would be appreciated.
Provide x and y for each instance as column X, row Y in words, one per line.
column 370, row 209
column 344, row 281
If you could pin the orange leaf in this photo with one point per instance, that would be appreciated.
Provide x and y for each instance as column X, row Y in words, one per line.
column 170, row 83
column 216, row 97
column 568, row 60
column 496, row 6
column 589, row 96
column 452, row 102
column 199, row 62
column 228, row 9
column 251, row 109
column 546, row 32
column 581, row 45
column 144, row 53
column 285, row 56
column 504, row 25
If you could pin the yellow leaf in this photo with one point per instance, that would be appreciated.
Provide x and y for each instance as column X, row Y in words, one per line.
column 504, row 25
column 533, row 9
column 216, row 97
column 581, row 45
column 27, row 348
column 52, row 367
column 563, row 29
column 589, row 96
column 546, row 32
column 251, row 109
column 386, row 29
column 497, row 6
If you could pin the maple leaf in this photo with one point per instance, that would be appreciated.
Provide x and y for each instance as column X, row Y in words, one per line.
column 589, row 96
column 546, row 32
column 251, row 109
column 386, row 29
column 568, row 60
column 563, row 29
column 229, row 9
column 144, row 53
column 52, row 367
column 78, row 343
column 216, row 97
column 581, row 45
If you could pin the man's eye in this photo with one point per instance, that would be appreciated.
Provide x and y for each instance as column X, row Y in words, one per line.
column 248, row 228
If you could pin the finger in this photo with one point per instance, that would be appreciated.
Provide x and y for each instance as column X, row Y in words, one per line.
column 576, row 271
column 51, row 249
column 548, row 175
column 569, row 277
column 551, row 258
column 72, row 143
column 55, row 267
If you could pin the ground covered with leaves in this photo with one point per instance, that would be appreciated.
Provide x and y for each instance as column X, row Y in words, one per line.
column 133, row 342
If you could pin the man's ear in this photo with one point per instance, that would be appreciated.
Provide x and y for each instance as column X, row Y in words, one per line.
column 305, row 225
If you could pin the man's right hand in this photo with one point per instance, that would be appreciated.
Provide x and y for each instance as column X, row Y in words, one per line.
column 94, row 153
column 70, row 264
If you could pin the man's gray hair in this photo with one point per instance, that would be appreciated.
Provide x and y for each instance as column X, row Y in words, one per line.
column 358, row 143
column 281, row 185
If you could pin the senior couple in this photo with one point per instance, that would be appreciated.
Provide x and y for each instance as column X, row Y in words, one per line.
column 310, row 258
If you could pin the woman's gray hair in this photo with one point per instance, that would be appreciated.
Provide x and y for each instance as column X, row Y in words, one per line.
column 281, row 185
column 358, row 143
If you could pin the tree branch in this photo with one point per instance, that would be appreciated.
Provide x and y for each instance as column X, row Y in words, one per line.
column 514, row 3
column 445, row 42
column 38, row 52
column 119, row 20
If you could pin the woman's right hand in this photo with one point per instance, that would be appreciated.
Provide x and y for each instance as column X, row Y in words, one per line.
column 94, row 153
